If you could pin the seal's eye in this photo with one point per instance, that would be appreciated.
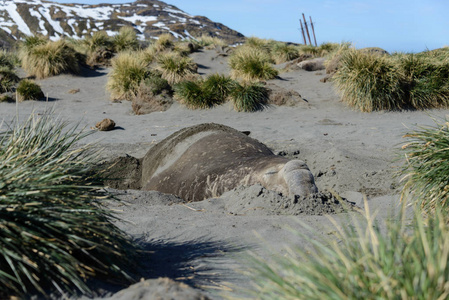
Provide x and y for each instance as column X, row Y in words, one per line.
column 271, row 172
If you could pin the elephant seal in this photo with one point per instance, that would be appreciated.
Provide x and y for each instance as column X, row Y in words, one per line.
column 206, row 160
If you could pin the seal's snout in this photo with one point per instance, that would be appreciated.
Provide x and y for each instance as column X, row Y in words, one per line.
column 298, row 178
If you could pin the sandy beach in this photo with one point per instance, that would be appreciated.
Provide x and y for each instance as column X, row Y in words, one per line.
column 202, row 243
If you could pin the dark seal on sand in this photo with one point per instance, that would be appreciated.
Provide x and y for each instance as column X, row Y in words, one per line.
column 206, row 160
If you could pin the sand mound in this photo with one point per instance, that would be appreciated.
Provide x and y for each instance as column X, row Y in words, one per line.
column 252, row 200
column 256, row 200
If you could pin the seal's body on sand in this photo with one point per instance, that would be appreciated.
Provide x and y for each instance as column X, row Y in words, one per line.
column 207, row 160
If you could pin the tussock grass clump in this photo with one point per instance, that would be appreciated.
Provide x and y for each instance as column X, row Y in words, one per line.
column 32, row 41
column 258, row 43
column 6, row 97
column 375, row 81
column 370, row 82
column 128, row 70
column 426, row 173
column 332, row 62
column 98, row 40
column 214, row 90
column 249, row 97
column 192, row 95
column 54, row 233
column 157, row 84
column 175, row 67
column 282, row 52
column 28, row 90
column 153, row 94
column 210, row 42
column 363, row 262
column 164, row 42
column 98, row 48
column 149, row 54
column 321, row 50
column 251, row 64
column 427, row 80
column 48, row 59
column 125, row 40
column 185, row 48
column 8, row 77
column 219, row 87
column 440, row 54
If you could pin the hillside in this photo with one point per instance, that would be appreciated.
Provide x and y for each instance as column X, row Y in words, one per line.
column 150, row 18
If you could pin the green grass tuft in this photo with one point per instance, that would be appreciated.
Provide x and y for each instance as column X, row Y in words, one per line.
column 7, row 97
column 283, row 52
column 427, row 80
column 192, row 95
column 54, row 233
column 426, row 173
column 98, row 48
column 128, row 70
column 164, row 42
column 251, row 64
column 321, row 50
column 249, row 97
column 31, row 41
column 8, row 77
column 214, row 90
column 125, row 40
column 410, row 261
column 48, row 59
column 209, row 42
column 218, row 87
column 175, row 67
column 374, row 81
column 156, row 84
column 370, row 82
column 28, row 90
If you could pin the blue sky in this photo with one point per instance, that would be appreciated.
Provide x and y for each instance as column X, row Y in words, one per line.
column 395, row 25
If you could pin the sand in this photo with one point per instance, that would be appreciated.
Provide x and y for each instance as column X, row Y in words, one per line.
column 200, row 244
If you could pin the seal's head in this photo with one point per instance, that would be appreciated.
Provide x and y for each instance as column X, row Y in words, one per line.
column 290, row 178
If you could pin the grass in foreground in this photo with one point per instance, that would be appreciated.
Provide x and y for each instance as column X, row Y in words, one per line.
column 426, row 172
column 54, row 233
column 409, row 262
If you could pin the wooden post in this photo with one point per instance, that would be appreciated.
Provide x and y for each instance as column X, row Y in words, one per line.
column 313, row 31
column 302, row 31
column 307, row 29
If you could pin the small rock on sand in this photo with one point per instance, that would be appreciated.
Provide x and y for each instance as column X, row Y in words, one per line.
column 105, row 125
column 160, row 289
